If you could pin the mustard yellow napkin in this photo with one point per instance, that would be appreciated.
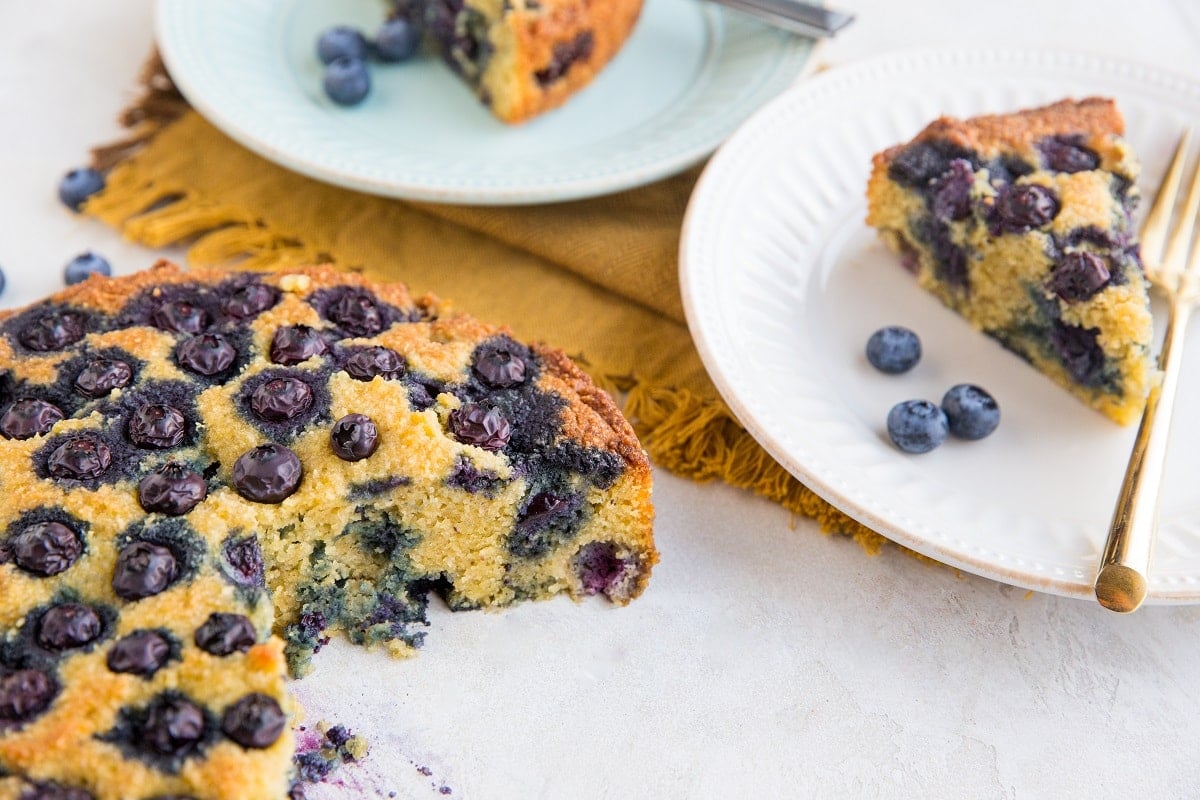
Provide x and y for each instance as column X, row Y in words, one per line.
column 595, row 277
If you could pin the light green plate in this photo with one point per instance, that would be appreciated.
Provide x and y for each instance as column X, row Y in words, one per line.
column 687, row 77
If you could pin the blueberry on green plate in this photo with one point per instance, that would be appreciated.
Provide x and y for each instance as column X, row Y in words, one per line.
column 917, row 426
column 971, row 411
column 893, row 349
column 341, row 42
column 397, row 40
column 85, row 264
column 347, row 81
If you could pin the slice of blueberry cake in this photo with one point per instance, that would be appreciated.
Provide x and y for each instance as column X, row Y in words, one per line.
column 206, row 474
column 1022, row 223
column 523, row 57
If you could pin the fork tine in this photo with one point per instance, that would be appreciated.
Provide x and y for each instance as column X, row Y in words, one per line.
column 1154, row 231
column 1177, row 247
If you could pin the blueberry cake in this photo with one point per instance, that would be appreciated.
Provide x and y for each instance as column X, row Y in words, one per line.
column 523, row 57
column 206, row 474
column 1022, row 223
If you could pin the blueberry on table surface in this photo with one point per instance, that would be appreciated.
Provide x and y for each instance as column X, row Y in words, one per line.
column 341, row 42
column 917, row 426
column 971, row 411
column 347, row 82
column 78, row 185
column 397, row 40
column 893, row 349
column 84, row 265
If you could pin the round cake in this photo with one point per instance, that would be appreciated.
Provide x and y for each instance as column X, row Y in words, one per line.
column 208, row 473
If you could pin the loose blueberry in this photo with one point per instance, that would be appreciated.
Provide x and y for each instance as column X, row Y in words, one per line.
column 78, row 185
column 3, row 281
column 397, row 40
column 893, row 349
column 267, row 474
column 80, row 458
column 67, row 626
column 172, row 489
column 84, row 265
column 249, row 300
column 1068, row 154
column 143, row 570
column 225, row 634
column 281, row 399
column 28, row 417
column 46, row 548
column 1025, row 206
column 347, row 81
column 101, row 376
column 53, row 331
column 952, row 191
column 25, row 694
column 917, row 426
column 483, row 427
column 356, row 313
column 341, row 42
column 140, row 653
column 208, row 354
column 255, row 722
column 181, row 316
column 366, row 364
column 157, row 425
column 971, row 411
column 354, row 437
column 1079, row 276
column 173, row 726
column 296, row 343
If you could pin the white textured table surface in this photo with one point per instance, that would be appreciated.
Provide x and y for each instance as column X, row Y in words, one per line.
column 802, row 668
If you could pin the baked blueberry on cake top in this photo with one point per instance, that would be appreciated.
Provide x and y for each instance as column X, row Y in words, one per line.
column 1022, row 223
column 207, row 474
column 523, row 57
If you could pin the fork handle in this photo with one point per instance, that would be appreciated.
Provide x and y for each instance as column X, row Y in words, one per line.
column 1121, row 582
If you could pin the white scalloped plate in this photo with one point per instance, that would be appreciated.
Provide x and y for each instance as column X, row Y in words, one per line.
column 688, row 76
column 783, row 284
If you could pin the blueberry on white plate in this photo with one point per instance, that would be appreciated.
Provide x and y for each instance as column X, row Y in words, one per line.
column 397, row 40
column 971, row 411
column 347, row 81
column 917, row 426
column 342, row 42
column 894, row 349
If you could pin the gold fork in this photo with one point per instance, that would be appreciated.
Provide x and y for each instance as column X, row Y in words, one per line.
column 1175, row 270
